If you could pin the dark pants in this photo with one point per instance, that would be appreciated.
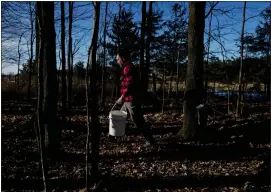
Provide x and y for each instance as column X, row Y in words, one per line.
column 137, row 117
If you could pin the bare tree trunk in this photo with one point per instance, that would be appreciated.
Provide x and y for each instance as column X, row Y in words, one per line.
column 148, row 43
column 154, row 83
column 118, row 70
column 194, row 77
column 268, row 66
column 170, row 83
column 208, row 52
column 164, row 84
column 104, row 63
column 142, row 44
column 177, row 79
column 40, row 115
column 37, row 51
column 241, row 63
column 31, row 50
column 70, row 58
column 228, row 99
column 52, row 129
column 63, row 60
column 18, row 73
column 95, row 136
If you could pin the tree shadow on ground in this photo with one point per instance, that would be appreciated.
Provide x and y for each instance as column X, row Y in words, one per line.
column 126, row 183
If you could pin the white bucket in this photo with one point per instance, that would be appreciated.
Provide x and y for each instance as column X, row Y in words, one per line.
column 117, row 123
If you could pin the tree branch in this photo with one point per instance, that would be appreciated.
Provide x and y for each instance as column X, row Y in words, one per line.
column 211, row 9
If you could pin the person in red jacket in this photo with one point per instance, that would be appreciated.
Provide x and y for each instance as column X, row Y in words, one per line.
column 130, row 95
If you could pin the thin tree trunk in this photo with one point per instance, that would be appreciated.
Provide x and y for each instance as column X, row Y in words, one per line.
column 70, row 59
column 95, row 136
column 148, row 43
column 31, row 50
column 241, row 63
column 88, row 119
column 164, row 82
column 142, row 44
column 40, row 115
column 18, row 73
column 194, row 77
column 64, row 85
column 228, row 99
column 170, row 83
column 104, row 63
column 118, row 70
column 154, row 83
column 37, row 52
column 208, row 52
column 268, row 66
column 177, row 79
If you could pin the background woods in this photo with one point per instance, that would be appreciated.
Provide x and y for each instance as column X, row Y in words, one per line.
column 60, row 80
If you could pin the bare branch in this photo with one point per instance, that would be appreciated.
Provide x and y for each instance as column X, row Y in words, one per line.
column 211, row 9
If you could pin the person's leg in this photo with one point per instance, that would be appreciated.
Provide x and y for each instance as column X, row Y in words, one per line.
column 123, row 108
column 137, row 116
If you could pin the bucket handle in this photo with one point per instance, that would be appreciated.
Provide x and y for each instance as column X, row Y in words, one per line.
column 113, row 106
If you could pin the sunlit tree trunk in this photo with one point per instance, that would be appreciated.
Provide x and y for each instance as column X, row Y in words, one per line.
column 194, row 76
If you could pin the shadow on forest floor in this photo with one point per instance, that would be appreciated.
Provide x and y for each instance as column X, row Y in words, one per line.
column 226, row 140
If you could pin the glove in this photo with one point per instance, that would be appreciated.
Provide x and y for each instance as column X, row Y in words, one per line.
column 119, row 101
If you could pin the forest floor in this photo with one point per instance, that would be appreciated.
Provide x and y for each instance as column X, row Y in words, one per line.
column 232, row 155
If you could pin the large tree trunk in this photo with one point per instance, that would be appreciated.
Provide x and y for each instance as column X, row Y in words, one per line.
column 52, row 130
column 94, row 124
column 142, row 43
column 31, row 50
column 148, row 43
column 241, row 63
column 104, row 63
column 64, row 85
column 70, row 59
column 194, row 76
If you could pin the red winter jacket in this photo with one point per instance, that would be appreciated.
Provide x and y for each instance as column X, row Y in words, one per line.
column 128, row 88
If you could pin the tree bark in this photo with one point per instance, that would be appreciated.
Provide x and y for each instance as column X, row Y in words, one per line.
column 164, row 85
column 177, row 79
column 148, row 43
column 37, row 50
column 19, row 62
column 194, row 76
column 94, row 124
column 241, row 63
column 154, row 83
column 104, row 62
column 268, row 66
column 70, row 59
column 64, row 85
column 142, row 42
column 170, row 83
column 31, row 51
column 50, row 89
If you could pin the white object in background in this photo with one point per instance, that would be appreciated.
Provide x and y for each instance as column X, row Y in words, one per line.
column 117, row 123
